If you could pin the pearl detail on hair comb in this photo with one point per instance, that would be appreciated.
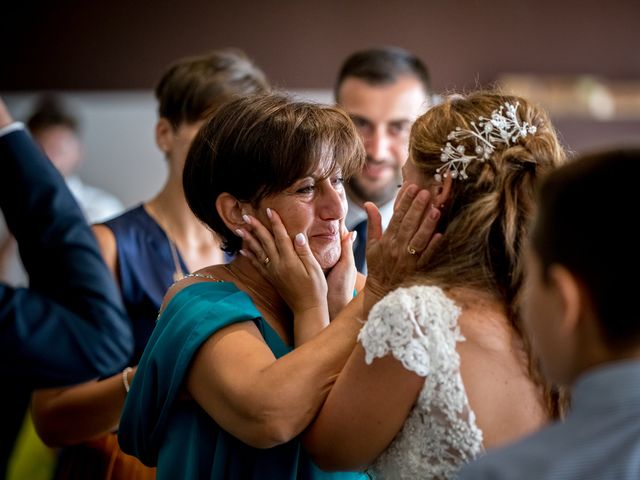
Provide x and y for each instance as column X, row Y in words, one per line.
column 487, row 134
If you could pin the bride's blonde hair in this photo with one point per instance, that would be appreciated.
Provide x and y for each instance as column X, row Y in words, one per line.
column 487, row 216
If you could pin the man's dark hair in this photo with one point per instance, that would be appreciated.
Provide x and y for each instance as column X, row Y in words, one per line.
column 587, row 224
column 383, row 66
column 50, row 112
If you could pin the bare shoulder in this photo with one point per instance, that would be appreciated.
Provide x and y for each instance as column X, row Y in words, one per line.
column 494, row 369
column 214, row 273
column 107, row 244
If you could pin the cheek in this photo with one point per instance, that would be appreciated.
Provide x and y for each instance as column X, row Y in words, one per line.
column 328, row 256
column 345, row 205
column 294, row 218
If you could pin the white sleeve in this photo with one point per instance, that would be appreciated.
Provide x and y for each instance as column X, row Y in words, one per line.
column 417, row 325
column 12, row 127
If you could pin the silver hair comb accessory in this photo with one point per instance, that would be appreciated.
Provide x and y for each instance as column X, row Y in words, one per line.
column 487, row 134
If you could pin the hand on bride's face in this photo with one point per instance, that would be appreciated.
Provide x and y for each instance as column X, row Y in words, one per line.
column 406, row 244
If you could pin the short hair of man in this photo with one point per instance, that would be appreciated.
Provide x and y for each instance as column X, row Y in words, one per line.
column 383, row 66
column 256, row 146
column 48, row 113
column 587, row 223
column 194, row 85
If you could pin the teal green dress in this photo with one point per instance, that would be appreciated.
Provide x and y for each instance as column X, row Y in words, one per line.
column 162, row 428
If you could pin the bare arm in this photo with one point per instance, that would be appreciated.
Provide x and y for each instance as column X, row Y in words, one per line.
column 364, row 411
column 369, row 403
column 263, row 401
column 70, row 415
column 108, row 248
column 67, row 416
column 8, row 251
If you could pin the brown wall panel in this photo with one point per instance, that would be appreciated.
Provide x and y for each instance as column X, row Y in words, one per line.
column 82, row 45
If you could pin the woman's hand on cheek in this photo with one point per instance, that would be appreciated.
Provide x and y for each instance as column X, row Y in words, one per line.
column 410, row 238
column 341, row 279
column 291, row 269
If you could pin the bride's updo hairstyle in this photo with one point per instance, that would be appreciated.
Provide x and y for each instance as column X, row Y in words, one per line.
column 487, row 216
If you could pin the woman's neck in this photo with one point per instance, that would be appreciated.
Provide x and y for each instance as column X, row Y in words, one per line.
column 170, row 210
column 170, row 207
column 266, row 298
column 243, row 271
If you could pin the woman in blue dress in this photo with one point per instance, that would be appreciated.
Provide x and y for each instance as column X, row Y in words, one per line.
column 237, row 366
column 147, row 248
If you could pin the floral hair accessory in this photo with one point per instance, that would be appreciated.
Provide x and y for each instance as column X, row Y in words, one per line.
column 487, row 134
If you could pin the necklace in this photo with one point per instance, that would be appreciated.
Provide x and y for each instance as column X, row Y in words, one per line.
column 178, row 272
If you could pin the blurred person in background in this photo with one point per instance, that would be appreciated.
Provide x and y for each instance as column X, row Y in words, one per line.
column 147, row 249
column 69, row 325
column 57, row 132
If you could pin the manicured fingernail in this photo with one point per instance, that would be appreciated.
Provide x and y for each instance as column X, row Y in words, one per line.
column 434, row 213
column 246, row 219
column 242, row 252
column 354, row 234
column 300, row 239
column 269, row 214
column 240, row 233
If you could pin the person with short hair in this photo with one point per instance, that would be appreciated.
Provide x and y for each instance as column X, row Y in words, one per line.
column 383, row 90
column 147, row 248
column 57, row 132
column 244, row 354
column 579, row 313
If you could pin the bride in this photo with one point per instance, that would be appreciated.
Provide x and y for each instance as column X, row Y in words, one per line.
column 441, row 370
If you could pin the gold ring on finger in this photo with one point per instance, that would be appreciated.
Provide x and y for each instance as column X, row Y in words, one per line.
column 411, row 250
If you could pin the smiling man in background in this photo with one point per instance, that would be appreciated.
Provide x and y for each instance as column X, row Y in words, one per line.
column 383, row 90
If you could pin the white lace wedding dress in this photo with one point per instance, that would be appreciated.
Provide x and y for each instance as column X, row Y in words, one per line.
column 419, row 327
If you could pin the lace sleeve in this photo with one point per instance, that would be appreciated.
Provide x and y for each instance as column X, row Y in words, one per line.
column 417, row 325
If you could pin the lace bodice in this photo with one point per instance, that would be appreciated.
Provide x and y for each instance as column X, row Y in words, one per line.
column 419, row 327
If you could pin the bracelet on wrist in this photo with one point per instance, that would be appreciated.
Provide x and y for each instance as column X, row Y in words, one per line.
column 125, row 378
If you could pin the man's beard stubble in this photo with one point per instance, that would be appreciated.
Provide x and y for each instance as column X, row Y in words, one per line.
column 379, row 196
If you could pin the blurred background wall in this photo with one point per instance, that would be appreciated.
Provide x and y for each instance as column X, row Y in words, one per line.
column 579, row 58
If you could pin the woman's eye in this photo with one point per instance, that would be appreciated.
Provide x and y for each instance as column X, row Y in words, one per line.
column 305, row 189
column 337, row 181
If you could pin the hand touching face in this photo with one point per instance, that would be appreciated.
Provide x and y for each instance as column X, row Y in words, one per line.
column 316, row 207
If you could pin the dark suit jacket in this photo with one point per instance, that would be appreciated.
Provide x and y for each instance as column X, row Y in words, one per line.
column 69, row 326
